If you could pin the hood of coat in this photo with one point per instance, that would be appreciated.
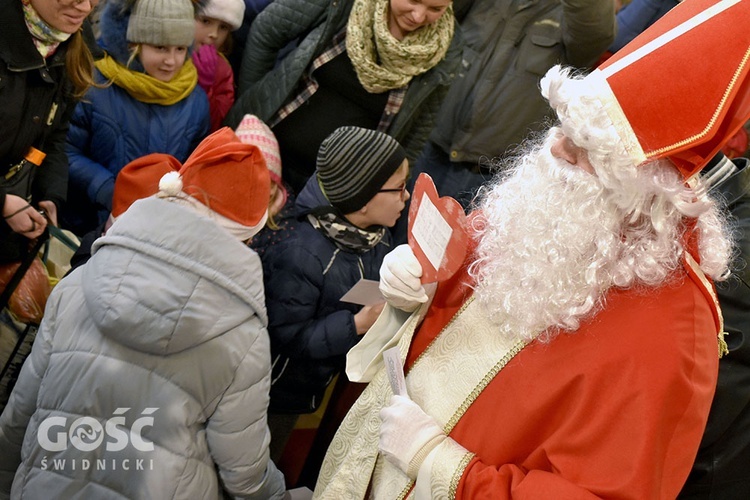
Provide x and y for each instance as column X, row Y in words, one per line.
column 168, row 282
column 311, row 198
column 113, row 26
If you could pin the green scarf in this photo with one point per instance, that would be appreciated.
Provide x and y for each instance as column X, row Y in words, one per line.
column 381, row 61
column 146, row 88
column 46, row 38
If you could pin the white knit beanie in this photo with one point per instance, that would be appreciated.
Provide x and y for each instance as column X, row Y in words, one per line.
column 231, row 12
column 162, row 22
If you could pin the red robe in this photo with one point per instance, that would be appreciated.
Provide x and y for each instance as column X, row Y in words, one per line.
column 615, row 410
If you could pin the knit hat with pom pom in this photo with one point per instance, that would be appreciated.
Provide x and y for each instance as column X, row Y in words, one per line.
column 224, row 179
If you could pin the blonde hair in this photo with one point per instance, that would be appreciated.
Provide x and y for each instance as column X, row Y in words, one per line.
column 134, row 51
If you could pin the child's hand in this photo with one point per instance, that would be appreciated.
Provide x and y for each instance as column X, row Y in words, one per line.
column 366, row 316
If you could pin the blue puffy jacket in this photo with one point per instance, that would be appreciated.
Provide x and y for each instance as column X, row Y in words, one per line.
column 311, row 329
column 109, row 129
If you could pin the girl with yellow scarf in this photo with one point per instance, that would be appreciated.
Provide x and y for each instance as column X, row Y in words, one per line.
column 150, row 102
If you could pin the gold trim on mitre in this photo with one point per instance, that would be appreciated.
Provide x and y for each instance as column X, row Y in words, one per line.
column 609, row 100
column 601, row 89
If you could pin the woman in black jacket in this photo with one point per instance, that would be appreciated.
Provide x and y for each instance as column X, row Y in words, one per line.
column 45, row 65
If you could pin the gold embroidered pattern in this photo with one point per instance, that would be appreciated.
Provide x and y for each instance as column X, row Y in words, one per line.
column 459, row 474
column 469, row 344
column 450, row 323
column 723, row 347
column 717, row 112
column 693, row 265
column 486, row 380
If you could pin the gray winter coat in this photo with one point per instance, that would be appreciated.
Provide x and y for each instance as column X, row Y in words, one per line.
column 509, row 45
column 263, row 88
column 150, row 372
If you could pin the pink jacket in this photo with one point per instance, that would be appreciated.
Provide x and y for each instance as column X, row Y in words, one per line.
column 215, row 76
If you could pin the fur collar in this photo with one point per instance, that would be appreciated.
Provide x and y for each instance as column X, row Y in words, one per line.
column 113, row 25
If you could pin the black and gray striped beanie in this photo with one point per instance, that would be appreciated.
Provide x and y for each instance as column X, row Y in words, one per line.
column 353, row 165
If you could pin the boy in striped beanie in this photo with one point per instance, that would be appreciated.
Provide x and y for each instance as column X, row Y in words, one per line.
column 344, row 211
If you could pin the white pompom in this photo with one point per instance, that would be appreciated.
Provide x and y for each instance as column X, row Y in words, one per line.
column 171, row 184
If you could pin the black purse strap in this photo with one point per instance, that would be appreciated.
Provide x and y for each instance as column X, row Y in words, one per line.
column 21, row 271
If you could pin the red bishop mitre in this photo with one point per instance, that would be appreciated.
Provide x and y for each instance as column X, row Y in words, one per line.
column 681, row 89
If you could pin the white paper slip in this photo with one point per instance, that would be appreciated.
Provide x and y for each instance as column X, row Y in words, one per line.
column 392, row 360
column 302, row 493
column 432, row 232
column 365, row 292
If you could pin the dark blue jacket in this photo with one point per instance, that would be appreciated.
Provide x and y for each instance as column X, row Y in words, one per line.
column 311, row 329
column 635, row 17
column 109, row 129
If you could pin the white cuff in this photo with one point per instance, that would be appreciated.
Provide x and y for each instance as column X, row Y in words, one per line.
column 441, row 470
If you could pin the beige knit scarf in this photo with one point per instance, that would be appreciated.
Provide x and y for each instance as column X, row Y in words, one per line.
column 381, row 61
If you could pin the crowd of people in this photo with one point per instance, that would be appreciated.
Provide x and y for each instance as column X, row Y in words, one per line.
column 233, row 168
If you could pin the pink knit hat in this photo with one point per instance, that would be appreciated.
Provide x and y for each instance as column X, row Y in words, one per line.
column 252, row 130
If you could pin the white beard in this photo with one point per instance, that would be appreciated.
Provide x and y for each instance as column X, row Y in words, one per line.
column 550, row 246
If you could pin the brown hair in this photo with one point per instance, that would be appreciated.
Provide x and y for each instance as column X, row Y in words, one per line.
column 228, row 45
column 79, row 65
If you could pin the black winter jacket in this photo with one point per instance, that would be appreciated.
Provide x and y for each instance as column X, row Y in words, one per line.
column 722, row 467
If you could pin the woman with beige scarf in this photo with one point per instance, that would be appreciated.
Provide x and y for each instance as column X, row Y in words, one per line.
column 311, row 66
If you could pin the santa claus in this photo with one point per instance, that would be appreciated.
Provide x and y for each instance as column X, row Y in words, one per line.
column 575, row 353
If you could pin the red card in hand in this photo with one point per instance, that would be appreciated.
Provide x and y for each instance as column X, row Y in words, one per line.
column 437, row 231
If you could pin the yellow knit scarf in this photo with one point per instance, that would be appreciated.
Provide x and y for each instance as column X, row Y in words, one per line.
column 146, row 88
column 381, row 61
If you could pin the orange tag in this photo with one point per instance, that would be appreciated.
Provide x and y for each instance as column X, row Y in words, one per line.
column 437, row 231
column 35, row 156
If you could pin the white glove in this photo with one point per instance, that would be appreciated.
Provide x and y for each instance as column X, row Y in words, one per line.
column 399, row 279
column 407, row 434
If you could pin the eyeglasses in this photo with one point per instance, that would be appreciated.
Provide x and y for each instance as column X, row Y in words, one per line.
column 401, row 190
column 68, row 3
